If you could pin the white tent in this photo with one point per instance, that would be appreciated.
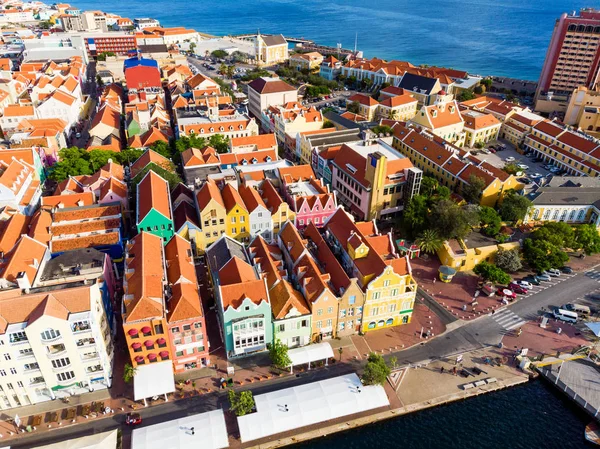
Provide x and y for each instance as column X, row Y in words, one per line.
column 594, row 327
column 309, row 404
column 201, row 431
column 104, row 440
column 308, row 354
column 154, row 379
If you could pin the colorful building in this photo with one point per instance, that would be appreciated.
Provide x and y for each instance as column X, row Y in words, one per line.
column 463, row 255
column 154, row 212
column 237, row 224
column 212, row 213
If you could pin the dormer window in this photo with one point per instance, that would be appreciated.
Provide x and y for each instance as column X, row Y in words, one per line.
column 212, row 130
column 434, row 113
column 230, row 128
column 221, row 129
column 241, row 127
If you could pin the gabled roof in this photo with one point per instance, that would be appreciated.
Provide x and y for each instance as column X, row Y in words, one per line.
column 418, row 83
column 71, row 200
column 153, row 193
column 363, row 99
column 443, row 115
column 232, row 198
column 260, row 142
column 251, row 198
column 25, row 256
column 293, row 243
column 185, row 213
column 233, row 295
column 270, row 196
column 148, row 157
column 296, row 173
column 11, row 230
column 270, row 86
column 236, row 271
column 209, row 191
column 284, row 298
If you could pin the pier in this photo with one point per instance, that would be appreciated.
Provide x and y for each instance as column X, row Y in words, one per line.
column 579, row 380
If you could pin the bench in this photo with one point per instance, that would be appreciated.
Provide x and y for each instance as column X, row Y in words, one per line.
column 468, row 386
column 480, row 383
column 491, row 380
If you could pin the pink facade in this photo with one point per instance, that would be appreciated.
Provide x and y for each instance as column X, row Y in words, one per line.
column 190, row 344
column 314, row 209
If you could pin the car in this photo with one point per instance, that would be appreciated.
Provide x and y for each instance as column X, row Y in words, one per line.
column 507, row 293
column 517, row 288
column 525, row 181
column 532, row 279
column 510, row 159
column 543, row 276
column 553, row 272
column 567, row 270
column 77, row 135
column 524, row 284
column 536, row 175
column 492, row 150
column 523, row 166
column 485, row 151
column 546, row 167
column 133, row 419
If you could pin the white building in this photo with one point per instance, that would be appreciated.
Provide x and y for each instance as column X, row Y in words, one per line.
column 55, row 343
column 142, row 23
column 265, row 92
column 260, row 216
column 61, row 105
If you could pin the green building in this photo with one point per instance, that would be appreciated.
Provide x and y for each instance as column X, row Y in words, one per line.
column 153, row 209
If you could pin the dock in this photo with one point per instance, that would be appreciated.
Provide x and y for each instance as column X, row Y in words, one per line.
column 579, row 380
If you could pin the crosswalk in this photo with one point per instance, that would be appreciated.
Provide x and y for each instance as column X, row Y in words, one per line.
column 593, row 274
column 508, row 320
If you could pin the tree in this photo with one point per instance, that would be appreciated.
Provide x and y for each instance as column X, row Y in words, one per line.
column 129, row 155
column 429, row 185
column 279, row 354
column 223, row 69
column 230, row 71
column 99, row 158
column 241, row 403
column 541, row 255
column 415, row 213
column 162, row 148
column 382, row 129
column 219, row 142
column 511, row 169
column 168, row 173
column 465, row 95
column 479, row 90
column 353, row 107
column 430, row 241
column 129, row 373
column 514, row 207
column 328, row 124
column 451, row 220
column 219, row 54
column 487, row 82
column 490, row 220
column 587, row 238
column 192, row 141
column 472, row 191
column 376, row 370
column 491, row 272
column 192, row 47
column 508, row 260
column 559, row 234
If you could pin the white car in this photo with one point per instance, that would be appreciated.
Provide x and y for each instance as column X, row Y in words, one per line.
column 525, row 284
column 536, row 175
column 554, row 272
column 544, row 276
column 510, row 159
column 523, row 166
column 485, row 151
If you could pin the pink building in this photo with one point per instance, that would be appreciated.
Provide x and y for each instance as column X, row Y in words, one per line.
column 185, row 317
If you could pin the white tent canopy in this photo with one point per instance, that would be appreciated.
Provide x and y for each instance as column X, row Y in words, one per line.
column 201, row 431
column 311, row 353
column 309, row 404
column 104, row 440
column 594, row 327
column 154, row 379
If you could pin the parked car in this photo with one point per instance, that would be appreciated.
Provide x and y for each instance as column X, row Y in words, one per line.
column 525, row 181
column 517, row 288
column 567, row 270
column 492, row 150
column 133, row 419
column 532, row 279
column 524, row 284
column 506, row 292
column 510, row 159
column 544, row 276
column 523, row 166
column 485, row 151
column 553, row 272
column 536, row 175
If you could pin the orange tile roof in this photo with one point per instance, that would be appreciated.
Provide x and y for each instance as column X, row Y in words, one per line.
column 233, row 295
column 71, row 200
column 12, row 229
column 25, row 256
column 209, row 191
column 149, row 156
column 40, row 226
column 232, row 198
column 441, row 116
column 153, row 193
column 268, row 258
column 296, row 173
column 236, row 271
column 293, row 243
column 260, row 142
column 18, row 110
column 270, row 196
column 251, row 198
column 398, row 100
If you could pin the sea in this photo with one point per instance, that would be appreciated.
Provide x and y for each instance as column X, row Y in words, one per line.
column 486, row 37
column 533, row 415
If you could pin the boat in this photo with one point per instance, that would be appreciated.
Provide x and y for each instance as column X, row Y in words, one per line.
column 592, row 433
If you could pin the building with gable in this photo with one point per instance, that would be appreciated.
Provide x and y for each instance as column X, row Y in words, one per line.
column 154, row 213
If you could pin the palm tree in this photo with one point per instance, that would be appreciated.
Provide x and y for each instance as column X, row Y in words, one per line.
column 129, row 373
column 430, row 241
column 230, row 71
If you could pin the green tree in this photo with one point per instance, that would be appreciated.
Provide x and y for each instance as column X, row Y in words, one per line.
column 192, row 47
column 587, row 238
column 471, row 192
column 489, row 220
column 193, row 141
column 353, row 107
column 514, row 207
column 219, row 54
column 230, row 71
column 351, row 80
column 415, row 213
column 162, row 148
column 429, row 186
column 559, row 234
column 219, row 142
column 382, row 129
column 508, row 260
column 168, row 173
column 443, row 193
column 453, row 221
column 430, row 241
column 511, row 169
column 73, row 162
column 491, row 272
column 99, row 158
column 129, row 155
column 223, row 69
column 279, row 354
column 479, row 90
column 541, row 255
column 487, row 82
column 465, row 95
column 376, row 370
column 328, row 124
column 241, row 403
column 129, row 373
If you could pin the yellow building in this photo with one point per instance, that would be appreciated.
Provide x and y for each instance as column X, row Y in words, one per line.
column 237, row 223
column 271, row 49
column 384, row 276
column 306, row 61
column 398, row 107
column 443, row 120
column 367, row 105
column 480, row 128
column 463, row 255
column 280, row 210
column 583, row 110
column 212, row 215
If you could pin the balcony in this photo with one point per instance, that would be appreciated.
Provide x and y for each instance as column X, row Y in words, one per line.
column 90, row 357
column 14, row 339
column 56, row 350
column 50, row 336
column 80, row 327
column 94, row 369
column 30, row 368
column 37, row 381
column 85, row 342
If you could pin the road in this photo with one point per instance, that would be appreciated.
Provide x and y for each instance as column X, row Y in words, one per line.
column 473, row 335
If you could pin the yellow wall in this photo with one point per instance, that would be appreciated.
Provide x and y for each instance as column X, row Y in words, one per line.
column 206, row 216
column 238, row 223
column 280, row 216
column 470, row 257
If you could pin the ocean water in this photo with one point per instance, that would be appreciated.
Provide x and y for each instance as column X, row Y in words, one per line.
column 530, row 416
column 499, row 37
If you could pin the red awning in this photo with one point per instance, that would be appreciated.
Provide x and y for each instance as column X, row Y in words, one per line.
column 152, row 356
column 132, row 331
column 139, row 359
column 163, row 354
column 146, row 330
column 161, row 341
column 136, row 345
column 148, row 343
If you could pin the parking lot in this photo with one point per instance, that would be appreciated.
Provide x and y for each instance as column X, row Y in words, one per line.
column 532, row 172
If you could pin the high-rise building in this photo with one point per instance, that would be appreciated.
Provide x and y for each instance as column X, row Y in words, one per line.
column 572, row 59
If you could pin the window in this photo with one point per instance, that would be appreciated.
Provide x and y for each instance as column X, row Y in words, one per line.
column 341, row 325
column 2, row 372
column 359, row 310
column 158, row 329
column 25, row 352
column 13, row 371
column 304, row 323
column 233, row 219
column 16, row 337
column 187, row 327
column 330, row 310
column 375, row 311
column 392, row 308
column 7, row 356
column 50, row 334
column 319, row 312
column 352, row 299
column 342, row 313
column 60, row 363
column 394, row 292
column 198, row 325
column 319, row 324
column 386, row 283
column 376, row 295
column 175, row 330
column 282, row 328
column 20, row 384
column 68, row 375
column 179, row 353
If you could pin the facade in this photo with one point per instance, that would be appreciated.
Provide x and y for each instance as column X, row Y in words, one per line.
column 142, row 74
column 367, row 106
column 583, row 110
column 306, row 61
column 237, row 223
column 330, row 68
column 443, row 120
column 480, row 128
column 242, row 297
column 571, row 60
column 265, row 92
column 18, row 187
column 154, row 213
column 259, row 215
column 212, row 213
column 279, row 210
column 271, row 50
column 463, row 255
column 56, row 344
column 384, row 276
column 398, row 107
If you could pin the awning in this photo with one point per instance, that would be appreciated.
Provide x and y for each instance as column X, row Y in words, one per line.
column 153, row 380
column 161, row 341
column 146, row 330
column 104, row 440
column 139, row 358
column 163, row 354
column 209, row 432
column 310, row 353
column 136, row 345
column 151, row 356
column 148, row 343
column 132, row 332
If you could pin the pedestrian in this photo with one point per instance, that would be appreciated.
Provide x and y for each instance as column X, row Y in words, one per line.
column 434, row 280
column 520, row 332
column 454, row 371
column 442, row 370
